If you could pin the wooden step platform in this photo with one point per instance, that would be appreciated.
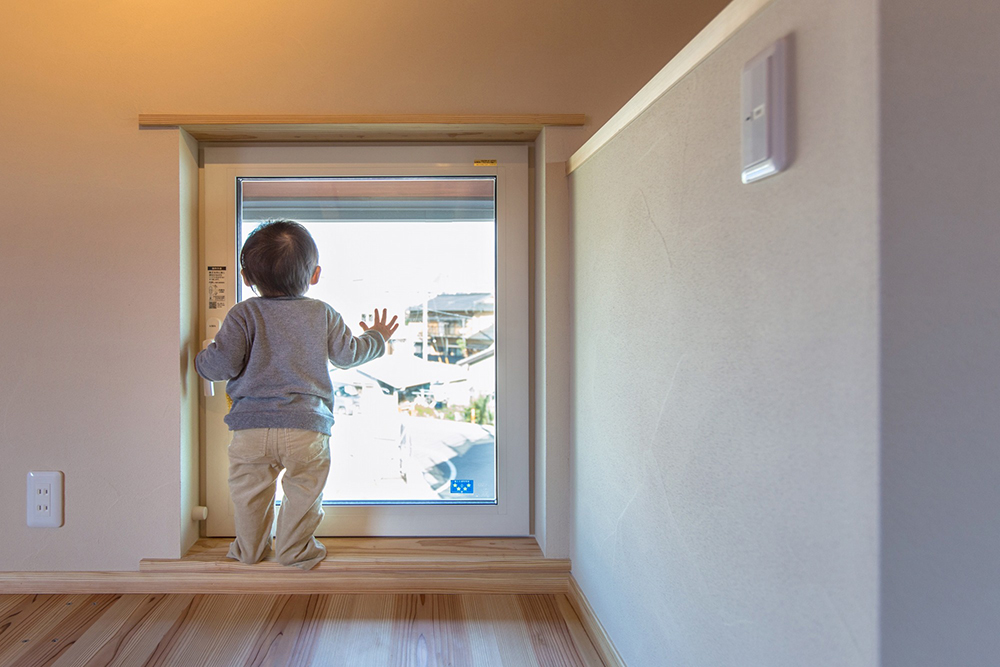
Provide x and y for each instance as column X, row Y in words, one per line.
column 346, row 554
column 382, row 565
column 353, row 565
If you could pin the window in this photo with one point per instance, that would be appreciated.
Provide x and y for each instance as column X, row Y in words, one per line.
column 432, row 438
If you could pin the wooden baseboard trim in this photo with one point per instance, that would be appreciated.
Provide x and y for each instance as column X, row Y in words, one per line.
column 285, row 582
column 602, row 642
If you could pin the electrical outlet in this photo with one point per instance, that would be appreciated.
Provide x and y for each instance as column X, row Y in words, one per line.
column 45, row 499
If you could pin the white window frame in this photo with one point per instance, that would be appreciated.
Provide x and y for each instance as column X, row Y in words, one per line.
column 510, row 515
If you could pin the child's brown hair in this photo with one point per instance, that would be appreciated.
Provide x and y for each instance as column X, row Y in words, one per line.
column 279, row 258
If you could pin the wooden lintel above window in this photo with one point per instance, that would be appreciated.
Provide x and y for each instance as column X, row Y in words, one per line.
column 400, row 127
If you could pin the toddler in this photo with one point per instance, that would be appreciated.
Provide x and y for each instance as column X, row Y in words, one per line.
column 274, row 350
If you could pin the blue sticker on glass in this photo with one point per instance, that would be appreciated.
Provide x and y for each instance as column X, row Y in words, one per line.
column 461, row 486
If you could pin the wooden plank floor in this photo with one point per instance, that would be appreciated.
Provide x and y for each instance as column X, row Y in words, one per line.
column 342, row 629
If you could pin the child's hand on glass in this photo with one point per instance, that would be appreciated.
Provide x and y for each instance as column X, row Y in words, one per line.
column 380, row 325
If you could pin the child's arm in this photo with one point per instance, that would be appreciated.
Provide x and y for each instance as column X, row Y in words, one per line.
column 226, row 357
column 347, row 350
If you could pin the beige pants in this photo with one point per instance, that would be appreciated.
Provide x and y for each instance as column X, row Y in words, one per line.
column 256, row 457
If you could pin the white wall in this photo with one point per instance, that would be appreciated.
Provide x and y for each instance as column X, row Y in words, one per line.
column 726, row 416
column 190, row 341
column 94, row 243
column 553, row 348
column 940, row 266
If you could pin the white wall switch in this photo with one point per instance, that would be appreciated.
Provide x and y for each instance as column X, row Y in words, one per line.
column 45, row 499
column 764, row 111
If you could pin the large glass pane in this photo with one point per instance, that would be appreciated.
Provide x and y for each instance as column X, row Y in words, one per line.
column 418, row 425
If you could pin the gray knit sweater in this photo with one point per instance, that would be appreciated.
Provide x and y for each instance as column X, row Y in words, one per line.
column 275, row 353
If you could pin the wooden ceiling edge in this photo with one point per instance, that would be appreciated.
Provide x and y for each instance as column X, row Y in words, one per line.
column 318, row 121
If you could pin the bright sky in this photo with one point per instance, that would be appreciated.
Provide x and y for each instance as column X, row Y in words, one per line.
column 397, row 264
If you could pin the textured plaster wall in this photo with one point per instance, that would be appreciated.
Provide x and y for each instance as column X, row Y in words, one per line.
column 940, row 264
column 91, row 355
column 726, row 416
